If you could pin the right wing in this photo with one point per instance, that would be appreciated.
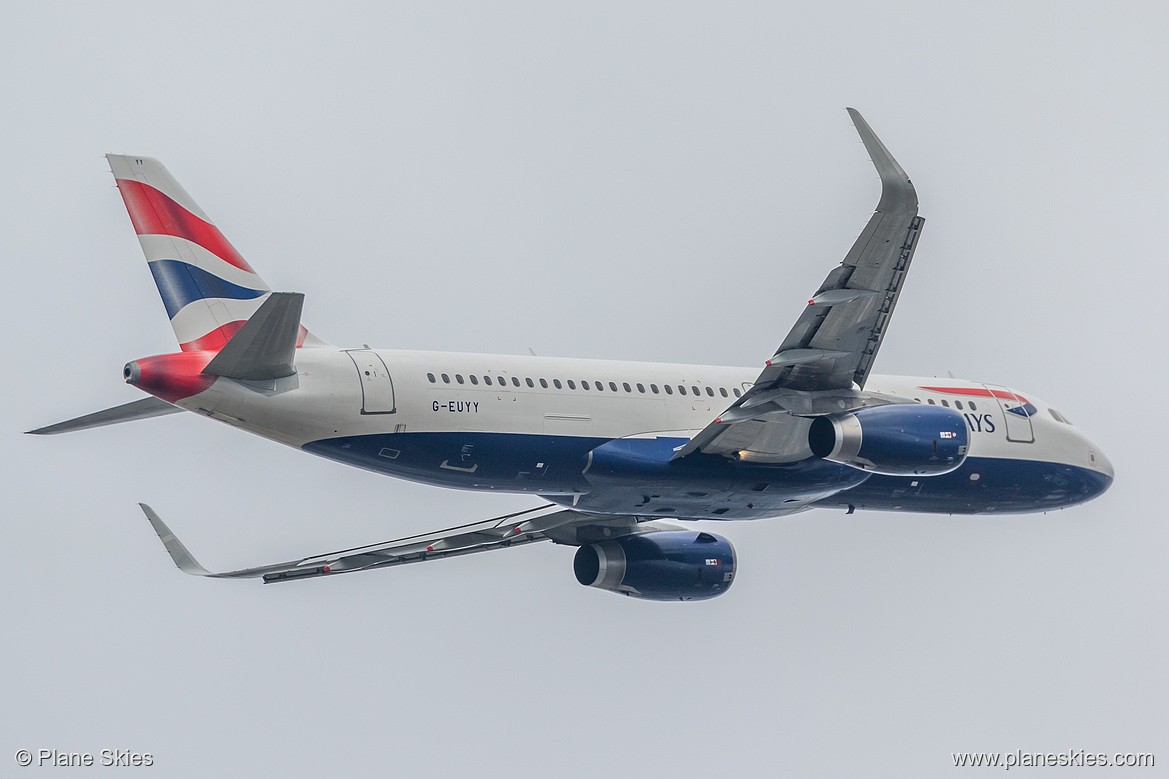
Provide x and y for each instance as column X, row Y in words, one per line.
column 544, row 523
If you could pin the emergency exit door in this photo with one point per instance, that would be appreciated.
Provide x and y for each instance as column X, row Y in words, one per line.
column 1016, row 414
column 377, row 388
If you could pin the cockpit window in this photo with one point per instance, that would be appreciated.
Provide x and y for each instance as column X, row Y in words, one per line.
column 1059, row 417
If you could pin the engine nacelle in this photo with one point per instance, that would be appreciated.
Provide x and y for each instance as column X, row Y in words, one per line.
column 660, row 565
column 895, row 440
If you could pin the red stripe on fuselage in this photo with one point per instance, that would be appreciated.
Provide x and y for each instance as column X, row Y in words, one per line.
column 978, row 393
column 153, row 213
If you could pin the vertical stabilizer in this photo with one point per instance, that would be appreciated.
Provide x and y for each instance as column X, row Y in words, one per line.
column 208, row 288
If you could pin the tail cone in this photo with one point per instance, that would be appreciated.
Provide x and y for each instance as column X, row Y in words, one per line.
column 171, row 377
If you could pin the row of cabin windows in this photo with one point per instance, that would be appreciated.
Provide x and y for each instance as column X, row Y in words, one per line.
column 946, row 403
column 584, row 384
column 958, row 404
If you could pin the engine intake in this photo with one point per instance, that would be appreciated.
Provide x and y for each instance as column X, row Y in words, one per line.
column 661, row 565
column 894, row 440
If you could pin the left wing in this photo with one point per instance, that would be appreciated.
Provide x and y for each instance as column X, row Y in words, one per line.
column 548, row 522
column 824, row 361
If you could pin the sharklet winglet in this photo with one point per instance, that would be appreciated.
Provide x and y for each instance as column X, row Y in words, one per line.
column 182, row 558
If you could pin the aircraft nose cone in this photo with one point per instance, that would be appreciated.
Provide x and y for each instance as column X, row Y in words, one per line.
column 1104, row 465
column 1097, row 477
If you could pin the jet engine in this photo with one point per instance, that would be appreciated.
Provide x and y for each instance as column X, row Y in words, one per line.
column 660, row 565
column 894, row 440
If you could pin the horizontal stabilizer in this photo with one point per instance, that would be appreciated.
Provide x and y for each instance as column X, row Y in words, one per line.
column 139, row 409
column 265, row 346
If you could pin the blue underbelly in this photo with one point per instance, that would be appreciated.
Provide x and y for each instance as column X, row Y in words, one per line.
column 636, row 476
column 979, row 486
column 504, row 462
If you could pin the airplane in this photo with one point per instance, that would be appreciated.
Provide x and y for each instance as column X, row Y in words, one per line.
column 619, row 452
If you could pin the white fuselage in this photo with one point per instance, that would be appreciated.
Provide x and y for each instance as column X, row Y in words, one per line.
column 460, row 403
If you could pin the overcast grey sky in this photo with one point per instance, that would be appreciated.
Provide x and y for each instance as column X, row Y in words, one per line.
column 647, row 181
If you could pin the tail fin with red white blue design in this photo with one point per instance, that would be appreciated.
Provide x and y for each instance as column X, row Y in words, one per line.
column 209, row 290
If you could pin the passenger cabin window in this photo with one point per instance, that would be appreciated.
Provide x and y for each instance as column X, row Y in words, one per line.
column 613, row 386
column 972, row 406
column 529, row 382
column 931, row 401
column 625, row 386
column 681, row 390
column 446, row 379
column 474, row 379
column 515, row 381
column 571, row 384
column 723, row 391
column 669, row 390
column 431, row 377
column 556, row 383
column 710, row 391
column 958, row 404
column 584, row 384
column 459, row 378
column 653, row 388
column 544, row 383
column 600, row 387
column 641, row 388
column 945, row 403
column 736, row 391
